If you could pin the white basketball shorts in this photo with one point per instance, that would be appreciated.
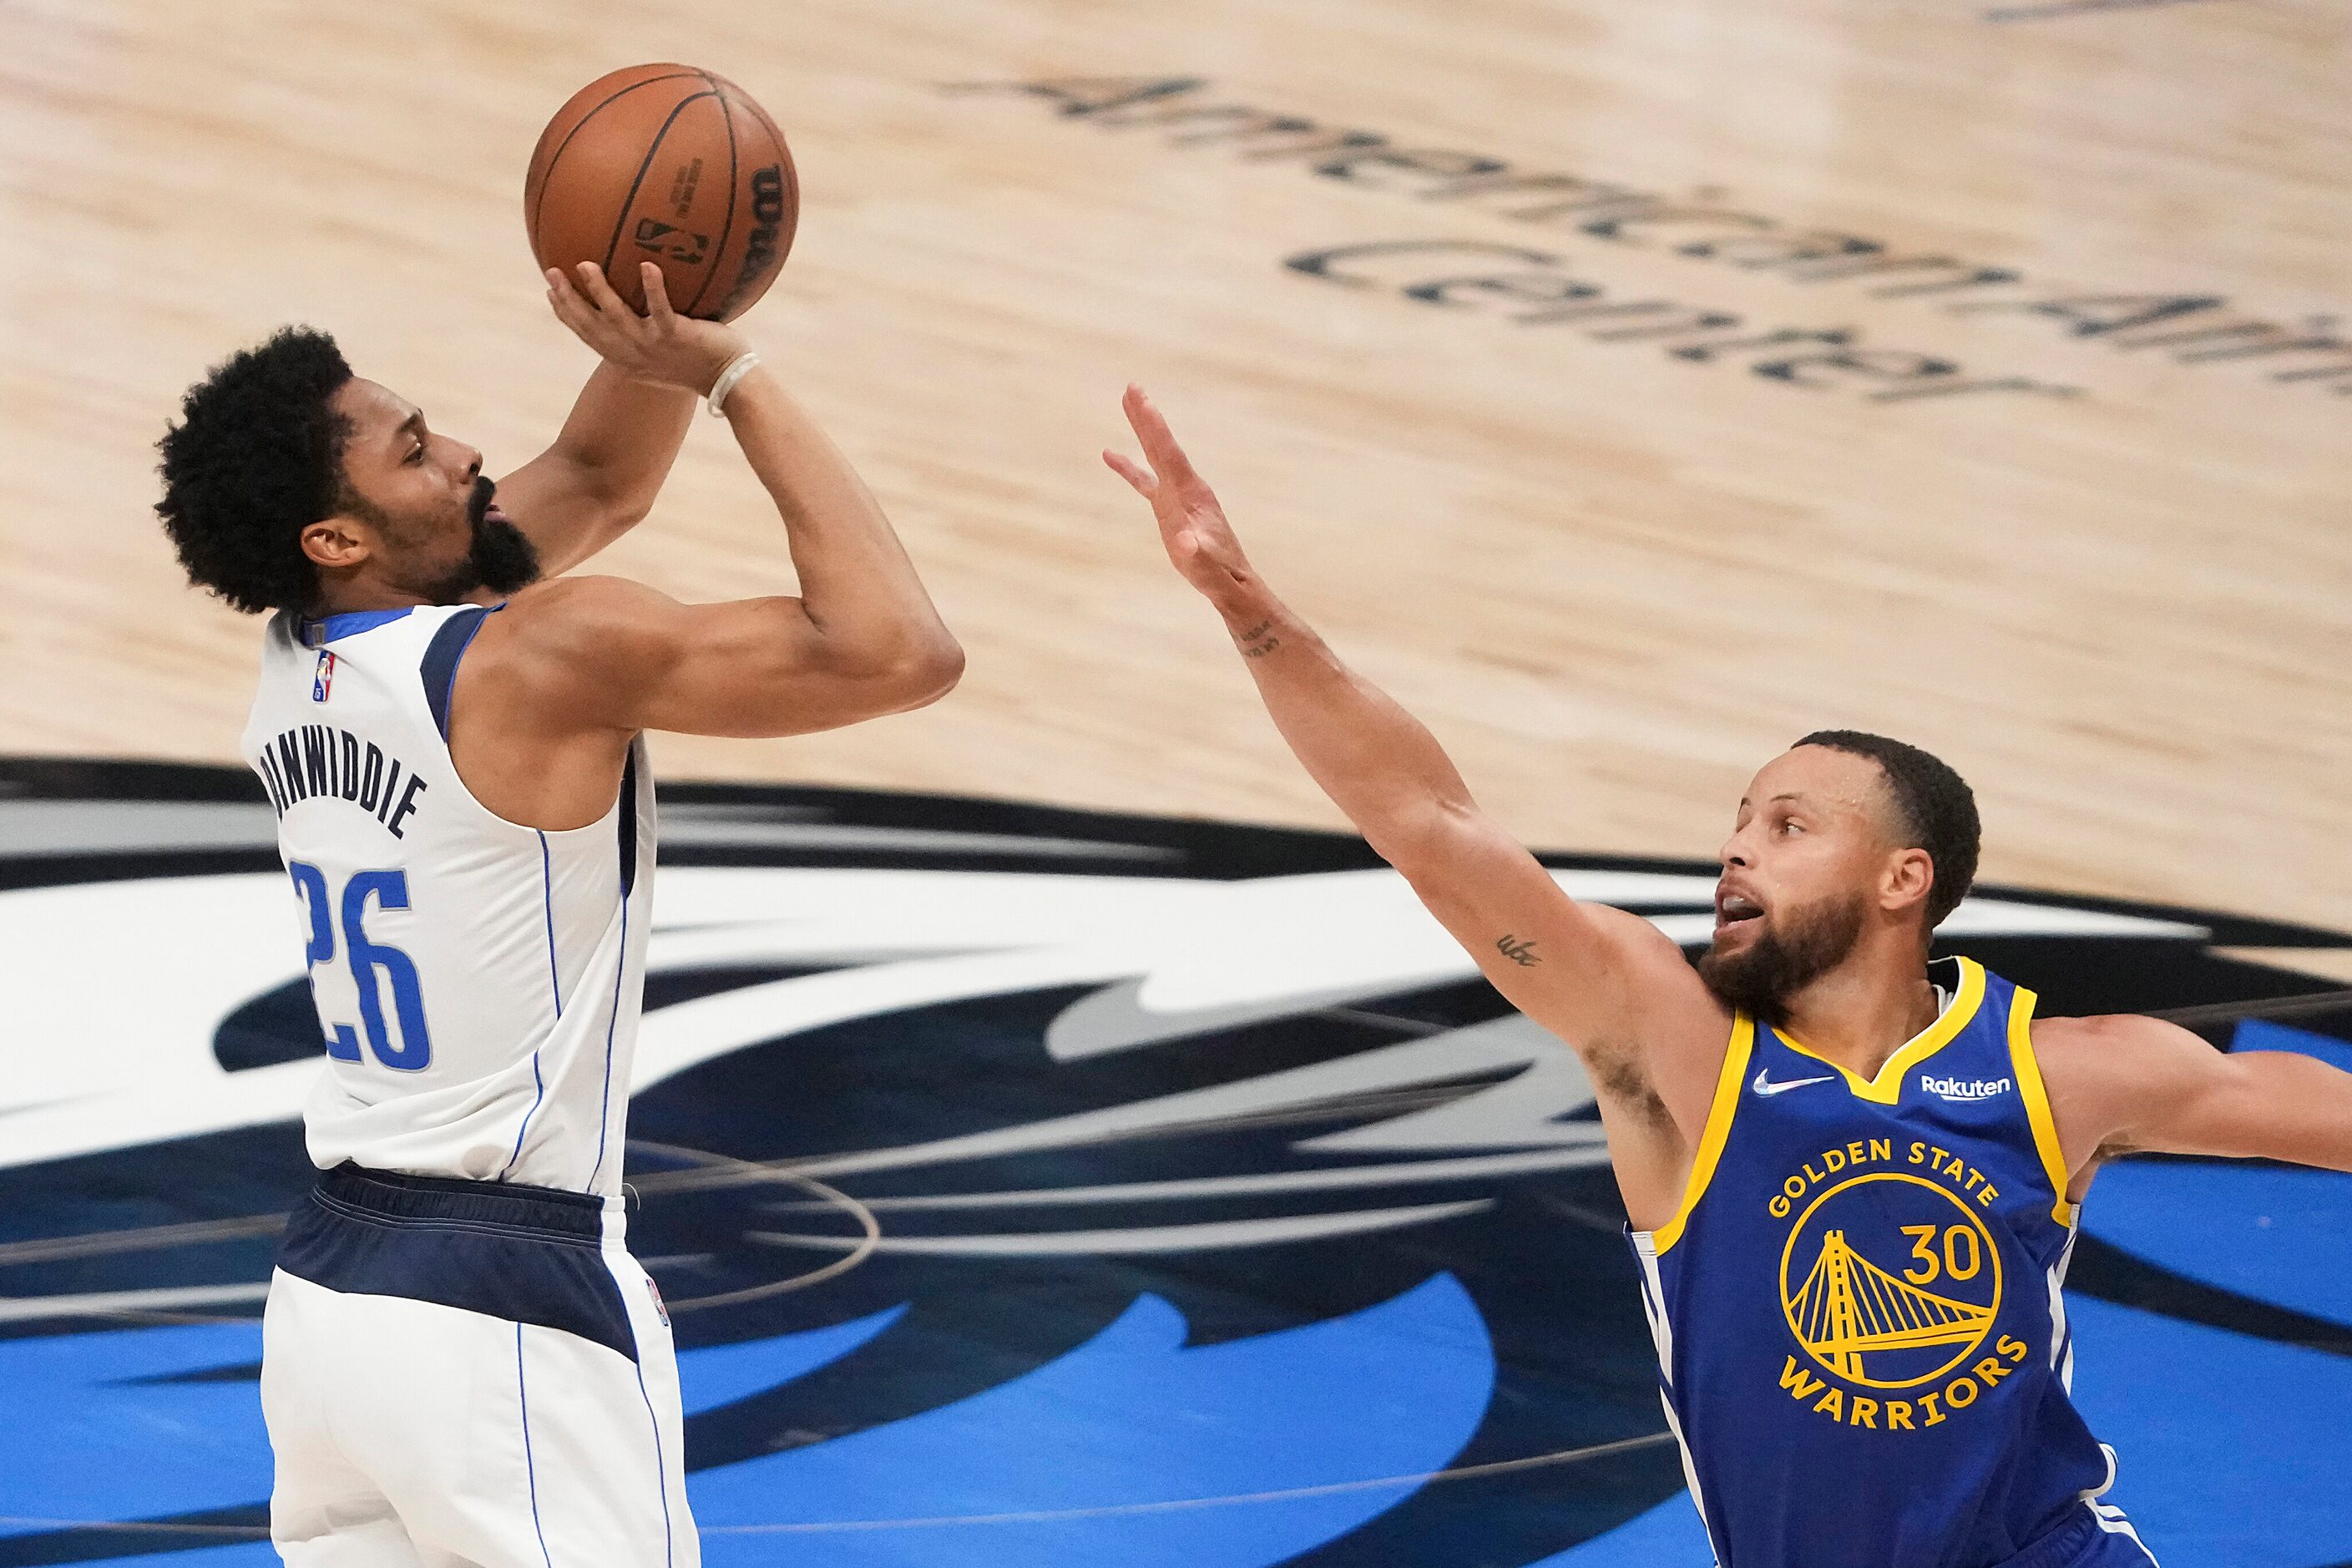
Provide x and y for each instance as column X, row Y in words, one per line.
column 468, row 1373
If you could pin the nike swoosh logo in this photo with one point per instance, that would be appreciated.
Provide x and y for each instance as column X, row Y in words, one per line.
column 1765, row 1086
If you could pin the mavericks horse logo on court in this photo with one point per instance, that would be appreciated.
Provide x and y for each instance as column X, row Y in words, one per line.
column 922, row 1075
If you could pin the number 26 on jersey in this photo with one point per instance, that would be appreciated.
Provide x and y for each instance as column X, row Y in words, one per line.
column 372, row 966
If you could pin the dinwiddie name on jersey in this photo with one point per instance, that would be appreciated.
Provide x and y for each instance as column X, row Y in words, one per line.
column 1895, row 1322
column 320, row 762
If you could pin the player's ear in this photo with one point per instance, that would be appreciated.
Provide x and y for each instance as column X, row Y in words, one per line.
column 337, row 541
column 1909, row 877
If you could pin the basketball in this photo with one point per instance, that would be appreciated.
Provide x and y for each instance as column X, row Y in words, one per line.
column 669, row 164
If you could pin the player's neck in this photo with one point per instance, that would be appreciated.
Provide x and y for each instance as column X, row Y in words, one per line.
column 1861, row 1012
column 358, row 596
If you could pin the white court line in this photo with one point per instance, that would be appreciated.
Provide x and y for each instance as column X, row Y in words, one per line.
column 31, row 1309
column 1116, row 1510
column 1036, row 1516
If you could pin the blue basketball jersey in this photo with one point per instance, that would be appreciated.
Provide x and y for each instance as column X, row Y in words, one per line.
column 1862, row 1341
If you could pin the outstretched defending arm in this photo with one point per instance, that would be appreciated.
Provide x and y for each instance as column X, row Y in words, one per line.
column 1587, row 973
column 2126, row 1085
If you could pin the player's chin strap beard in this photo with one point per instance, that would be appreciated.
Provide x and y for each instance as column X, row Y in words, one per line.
column 502, row 558
column 1809, row 944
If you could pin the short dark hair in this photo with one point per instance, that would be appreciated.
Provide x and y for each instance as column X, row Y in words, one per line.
column 257, row 457
column 1936, row 808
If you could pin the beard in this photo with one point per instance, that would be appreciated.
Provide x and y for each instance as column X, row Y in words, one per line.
column 502, row 558
column 1788, row 955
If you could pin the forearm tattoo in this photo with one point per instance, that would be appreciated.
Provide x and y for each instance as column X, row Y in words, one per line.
column 1259, row 641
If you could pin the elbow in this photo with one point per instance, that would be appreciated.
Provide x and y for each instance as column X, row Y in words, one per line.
column 1419, row 836
column 937, row 669
column 922, row 675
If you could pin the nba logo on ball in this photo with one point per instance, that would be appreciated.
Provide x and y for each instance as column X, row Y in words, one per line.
column 654, row 1291
column 322, row 682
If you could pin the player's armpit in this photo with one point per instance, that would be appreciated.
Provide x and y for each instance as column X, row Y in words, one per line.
column 604, row 651
column 2123, row 1084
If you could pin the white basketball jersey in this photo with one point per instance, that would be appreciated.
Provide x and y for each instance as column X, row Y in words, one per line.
column 478, row 982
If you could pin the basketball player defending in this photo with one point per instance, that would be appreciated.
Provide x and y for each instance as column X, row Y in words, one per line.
column 1855, row 1173
column 462, row 1363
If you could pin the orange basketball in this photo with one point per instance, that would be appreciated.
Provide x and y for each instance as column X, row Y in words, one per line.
column 668, row 165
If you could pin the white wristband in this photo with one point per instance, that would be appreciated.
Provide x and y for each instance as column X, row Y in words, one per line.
column 739, row 367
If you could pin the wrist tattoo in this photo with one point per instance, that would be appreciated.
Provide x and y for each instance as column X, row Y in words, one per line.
column 1522, row 954
column 1259, row 641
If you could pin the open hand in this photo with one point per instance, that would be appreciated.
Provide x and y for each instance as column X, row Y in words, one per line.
column 660, row 347
column 1193, row 526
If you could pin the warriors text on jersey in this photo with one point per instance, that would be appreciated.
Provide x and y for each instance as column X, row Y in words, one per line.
column 478, row 982
column 1862, row 1338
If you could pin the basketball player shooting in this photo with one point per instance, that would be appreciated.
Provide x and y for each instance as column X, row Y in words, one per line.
column 462, row 1362
column 1853, row 1175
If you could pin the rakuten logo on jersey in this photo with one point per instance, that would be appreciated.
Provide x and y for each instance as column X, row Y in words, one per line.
column 1966, row 1089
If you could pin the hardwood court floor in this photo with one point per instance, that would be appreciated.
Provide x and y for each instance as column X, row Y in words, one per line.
column 1568, row 464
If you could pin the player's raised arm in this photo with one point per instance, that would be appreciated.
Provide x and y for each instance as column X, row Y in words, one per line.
column 861, row 638
column 600, row 476
column 1577, row 969
column 2128, row 1085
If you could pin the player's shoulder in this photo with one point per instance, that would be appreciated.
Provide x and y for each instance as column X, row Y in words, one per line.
column 569, row 637
column 593, row 601
column 2107, row 1032
column 590, row 618
column 2124, row 1049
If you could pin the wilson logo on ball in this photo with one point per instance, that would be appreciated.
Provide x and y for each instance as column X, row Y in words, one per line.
column 768, row 219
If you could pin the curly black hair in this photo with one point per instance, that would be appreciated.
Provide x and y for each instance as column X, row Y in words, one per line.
column 257, row 457
column 1938, row 809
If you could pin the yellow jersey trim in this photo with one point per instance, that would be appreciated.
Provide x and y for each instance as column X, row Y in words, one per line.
column 1886, row 1088
column 2037, row 1104
column 1716, row 1133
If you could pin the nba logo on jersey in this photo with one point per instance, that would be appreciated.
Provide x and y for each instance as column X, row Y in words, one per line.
column 654, row 1291
column 322, row 682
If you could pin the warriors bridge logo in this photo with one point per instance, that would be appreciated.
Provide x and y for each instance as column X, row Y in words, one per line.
column 1903, row 1323
column 1047, row 1187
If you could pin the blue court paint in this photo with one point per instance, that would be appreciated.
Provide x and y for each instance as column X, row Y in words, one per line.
column 1667, row 1536
column 722, row 1375
column 251, row 1554
column 2230, row 1448
column 2255, row 1035
column 84, row 1435
column 2227, row 1449
column 1135, row 1416
column 2262, row 1231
